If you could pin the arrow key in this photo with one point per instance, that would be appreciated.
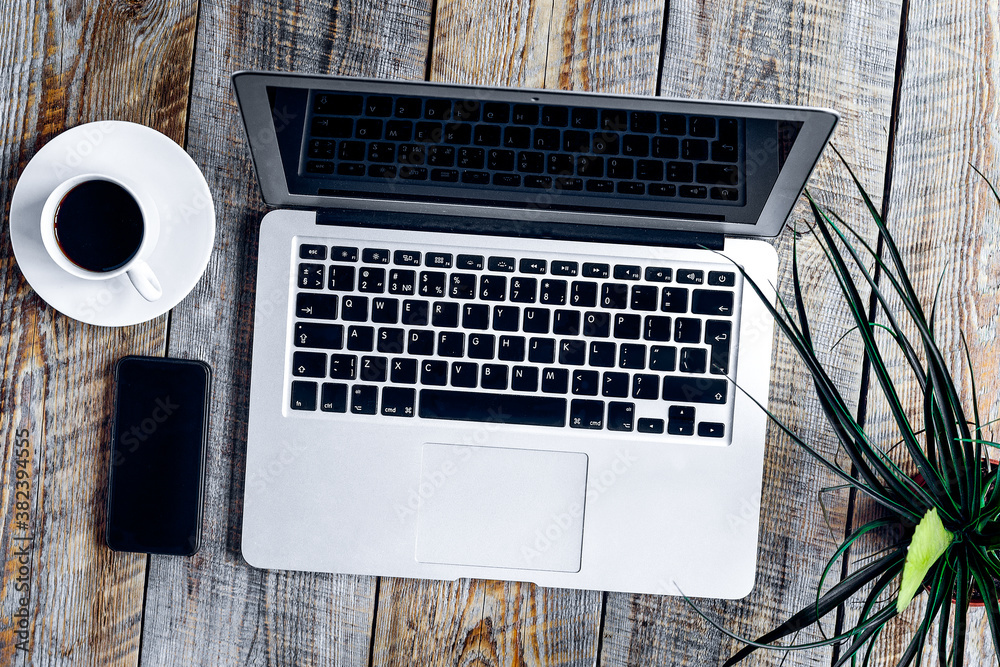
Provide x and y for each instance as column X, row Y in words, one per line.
column 712, row 302
column 324, row 336
column 718, row 335
column 309, row 364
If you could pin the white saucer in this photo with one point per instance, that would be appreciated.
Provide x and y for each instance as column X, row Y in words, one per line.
column 172, row 180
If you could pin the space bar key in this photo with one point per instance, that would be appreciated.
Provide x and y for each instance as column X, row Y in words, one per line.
column 498, row 408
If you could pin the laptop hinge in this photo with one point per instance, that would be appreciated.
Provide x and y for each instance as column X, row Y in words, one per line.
column 562, row 231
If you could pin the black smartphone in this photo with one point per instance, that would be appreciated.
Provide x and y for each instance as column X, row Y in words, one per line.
column 159, row 436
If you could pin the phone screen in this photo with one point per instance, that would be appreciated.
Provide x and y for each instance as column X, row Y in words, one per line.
column 158, row 455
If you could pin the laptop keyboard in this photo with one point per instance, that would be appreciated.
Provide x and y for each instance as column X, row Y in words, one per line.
column 524, row 146
column 563, row 342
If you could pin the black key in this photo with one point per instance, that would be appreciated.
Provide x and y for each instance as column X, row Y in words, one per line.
column 614, row 295
column 586, row 414
column 665, row 147
column 493, row 288
column 702, row 126
column 441, row 156
column 525, row 114
column 694, row 191
column 584, row 119
column 487, row 135
column 675, row 427
column 506, row 318
column 644, row 297
column 420, row 342
column 374, row 369
column 458, row 133
column 524, row 378
column 572, row 352
column 600, row 186
column 510, row 348
column 541, row 350
column 411, row 154
column 381, row 171
column 597, row 324
column 494, row 376
column 546, row 139
column 536, row 320
column 473, row 262
column 694, row 149
column 466, row 110
column 464, row 374
column 332, row 127
column 429, row 133
column 602, row 354
column 628, row 326
column 620, row 167
column 441, row 260
column 627, row 272
column 663, row 189
column 343, row 366
column 360, row 339
column 406, row 257
column 353, row 151
column 647, row 425
column 377, row 105
column 614, row 120
column 445, row 314
column 505, row 264
column 717, row 174
column 645, row 386
column 340, row 253
column 560, row 163
column 543, row 182
column 681, row 413
column 575, row 141
column 712, row 302
column 354, row 309
column 496, row 112
column 632, row 355
column 673, row 124
column 402, row 281
column 532, row 265
column 711, row 430
column 583, row 294
column 404, row 371
column 555, row 380
column 309, row 364
column 310, row 276
column 530, row 162
column 381, row 152
column 434, row 372
column 314, row 252
column 507, row 180
column 657, row 328
column 349, row 105
column 407, row 107
column 333, row 397
column 391, row 340
column 415, row 312
column 316, row 306
column 662, row 358
column 553, row 292
column 631, row 188
column 323, row 150
column 463, row 285
column 555, row 116
column 729, row 130
column 606, row 144
column 687, row 330
column 621, row 416
column 375, row 255
column 432, row 283
column 371, row 280
column 483, row 407
column 642, row 121
column 522, row 290
column 586, row 383
column 680, row 172
column 481, row 346
column 694, row 389
column 303, row 395
column 368, row 128
column 693, row 360
column 398, row 401
column 674, row 300
column 516, row 137
column 413, row 173
column 446, row 175
column 323, row 336
column 596, row 270
column 451, row 344
column 476, row 316
column 615, row 385
column 718, row 335
column 437, row 109
column 364, row 399
column 566, row 322
column 635, row 146
column 561, row 268
column 725, row 194
column 656, row 274
column 649, row 170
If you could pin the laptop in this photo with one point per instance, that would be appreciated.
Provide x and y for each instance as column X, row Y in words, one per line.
column 502, row 333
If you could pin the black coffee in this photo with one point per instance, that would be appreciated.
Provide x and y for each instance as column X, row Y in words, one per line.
column 99, row 226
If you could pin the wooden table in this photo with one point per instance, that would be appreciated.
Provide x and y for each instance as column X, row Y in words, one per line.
column 916, row 84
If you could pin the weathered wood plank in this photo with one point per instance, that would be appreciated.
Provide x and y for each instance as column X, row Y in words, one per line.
column 214, row 609
column 610, row 47
column 945, row 220
column 64, row 64
column 815, row 52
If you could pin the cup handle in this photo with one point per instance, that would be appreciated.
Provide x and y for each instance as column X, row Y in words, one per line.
column 144, row 281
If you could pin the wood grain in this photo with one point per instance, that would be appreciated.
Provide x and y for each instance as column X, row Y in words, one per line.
column 532, row 45
column 66, row 64
column 214, row 609
column 821, row 53
column 945, row 221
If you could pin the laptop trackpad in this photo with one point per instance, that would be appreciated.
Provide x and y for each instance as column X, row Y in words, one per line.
column 510, row 508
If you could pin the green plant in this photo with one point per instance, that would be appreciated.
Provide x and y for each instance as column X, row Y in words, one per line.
column 938, row 475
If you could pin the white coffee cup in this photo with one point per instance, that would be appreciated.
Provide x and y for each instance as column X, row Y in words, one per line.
column 138, row 271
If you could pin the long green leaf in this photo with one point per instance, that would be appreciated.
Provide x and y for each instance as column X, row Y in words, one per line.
column 930, row 541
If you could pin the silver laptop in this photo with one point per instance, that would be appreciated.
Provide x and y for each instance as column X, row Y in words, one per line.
column 505, row 333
